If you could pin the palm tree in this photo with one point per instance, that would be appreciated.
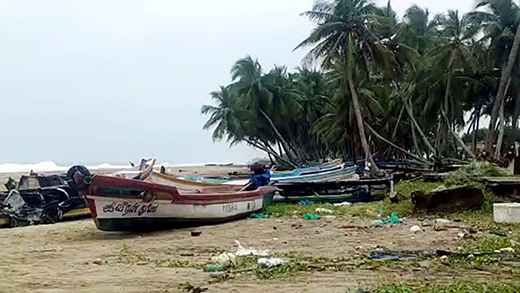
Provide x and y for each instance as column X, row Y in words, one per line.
column 251, row 87
column 224, row 116
column 499, row 22
column 418, row 30
column 455, row 56
column 344, row 38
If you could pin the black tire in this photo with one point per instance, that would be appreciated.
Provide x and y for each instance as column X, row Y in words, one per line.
column 78, row 177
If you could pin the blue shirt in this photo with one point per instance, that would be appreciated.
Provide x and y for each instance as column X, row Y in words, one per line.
column 259, row 180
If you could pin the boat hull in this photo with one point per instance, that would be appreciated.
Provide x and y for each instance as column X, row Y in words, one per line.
column 122, row 205
column 321, row 176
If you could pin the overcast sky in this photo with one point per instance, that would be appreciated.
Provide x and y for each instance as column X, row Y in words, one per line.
column 116, row 80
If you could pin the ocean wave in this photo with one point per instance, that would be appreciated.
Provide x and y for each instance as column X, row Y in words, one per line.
column 50, row 167
column 38, row 167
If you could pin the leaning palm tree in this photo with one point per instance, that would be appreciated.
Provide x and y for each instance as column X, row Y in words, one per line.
column 223, row 115
column 250, row 86
column 500, row 27
column 344, row 38
column 234, row 123
column 455, row 57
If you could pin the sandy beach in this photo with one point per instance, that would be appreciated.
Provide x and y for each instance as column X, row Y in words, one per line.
column 76, row 257
column 327, row 255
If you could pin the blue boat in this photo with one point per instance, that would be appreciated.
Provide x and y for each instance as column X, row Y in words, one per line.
column 335, row 173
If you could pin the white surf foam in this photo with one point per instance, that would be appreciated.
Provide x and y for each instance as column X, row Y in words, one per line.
column 38, row 167
column 50, row 167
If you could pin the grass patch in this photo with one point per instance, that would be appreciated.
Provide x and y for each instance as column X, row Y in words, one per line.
column 172, row 263
column 127, row 256
column 294, row 264
column 364, row 211
column 490, row 245
column 456, row 287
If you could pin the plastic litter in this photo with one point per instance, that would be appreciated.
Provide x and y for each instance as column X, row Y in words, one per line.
column 305, row 202
column 441, row 224
column 415, row 229
column 241, row 251
column 507, row 250
column 225, row 259
column 394, row 219
column 266, row 263
column 213, row 268
column 345, row 203
column 388, row 256
column 257, row 216
column 322, row 210
column 329, row 218
column 311, row 217
column 218, row 275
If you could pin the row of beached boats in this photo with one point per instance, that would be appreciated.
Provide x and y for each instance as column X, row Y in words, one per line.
column 144, row 199
column 153, row 200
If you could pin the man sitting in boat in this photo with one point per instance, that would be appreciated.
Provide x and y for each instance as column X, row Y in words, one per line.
column 260, row 176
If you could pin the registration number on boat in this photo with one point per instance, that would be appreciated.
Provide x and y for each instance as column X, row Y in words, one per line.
column 229, row 208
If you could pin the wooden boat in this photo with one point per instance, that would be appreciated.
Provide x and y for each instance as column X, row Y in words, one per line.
column 186, row 185
column 328, row 174
column 119, row 204
column 305, row 171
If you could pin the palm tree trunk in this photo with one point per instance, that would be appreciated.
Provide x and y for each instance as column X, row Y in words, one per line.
column 506, row 75
column 472, row 123
column 284, row 143
column 498, row 150
column 516, row 114
column 379, row 136
column 269, row 147
column 502, row 125
column 457, row 137
column 419, row 130
column 360, row 123
column 446, row 103
column 355, row 103
column 270, row 158
column 416, row 146
column 475, row 129
column 260, row 147
column 398, row 121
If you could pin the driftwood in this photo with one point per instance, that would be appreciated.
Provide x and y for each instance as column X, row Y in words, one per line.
column 448, row 199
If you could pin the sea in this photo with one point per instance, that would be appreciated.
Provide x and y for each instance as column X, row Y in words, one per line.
column 50, row 166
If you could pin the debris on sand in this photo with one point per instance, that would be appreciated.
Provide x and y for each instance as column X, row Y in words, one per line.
column 441, row 224
column 267, row 263
column 39, row 199
column 322, row 210
column 394, row 219
column 311, row 217
column 241, row 251
column 415, row 229
column 225, row 259
column 448, row 200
